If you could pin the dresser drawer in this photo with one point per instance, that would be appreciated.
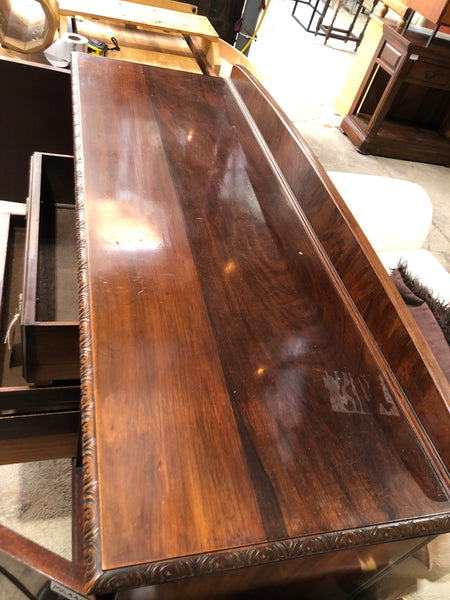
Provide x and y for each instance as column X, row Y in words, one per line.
column 389, row 57
column 425, row 73
column 36, row 423
column 49, row 319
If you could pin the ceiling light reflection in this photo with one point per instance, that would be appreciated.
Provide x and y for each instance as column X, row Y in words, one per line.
column 122, row 229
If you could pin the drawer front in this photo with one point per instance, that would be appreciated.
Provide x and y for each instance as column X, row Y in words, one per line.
column 429, row 74
column 51, row 352
column 389, row 57
column 50, row 295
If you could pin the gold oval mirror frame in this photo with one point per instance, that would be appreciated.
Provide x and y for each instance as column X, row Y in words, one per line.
column 28, row 25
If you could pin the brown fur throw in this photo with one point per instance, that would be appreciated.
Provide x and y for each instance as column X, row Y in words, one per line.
column 440, row 309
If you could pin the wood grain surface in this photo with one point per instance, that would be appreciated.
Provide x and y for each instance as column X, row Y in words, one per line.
column 43, row 124
column 149, row 18
column 155, row 19
column 330, row 576
column 49, row 316
column 232, row 394
column 137, row 45
column 170, row 5
column 7, row 209
column 36, row 557
column 406, row 351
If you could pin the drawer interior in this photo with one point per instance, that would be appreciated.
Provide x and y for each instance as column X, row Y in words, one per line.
column 57, row 293
column 49, row 318
column 10, row 354
column 36, row 423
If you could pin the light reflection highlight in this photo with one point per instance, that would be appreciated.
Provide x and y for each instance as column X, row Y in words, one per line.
column 229, row 267
column 121, row 229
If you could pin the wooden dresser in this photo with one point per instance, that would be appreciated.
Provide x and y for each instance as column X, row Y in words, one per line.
column 260, row 415
column 402, row 108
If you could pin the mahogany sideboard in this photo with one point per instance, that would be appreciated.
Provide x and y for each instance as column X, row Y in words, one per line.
column 254, row 398
column 260, row 414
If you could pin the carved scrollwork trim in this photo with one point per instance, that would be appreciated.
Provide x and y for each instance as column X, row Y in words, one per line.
column 162, row 572
column 90, row 472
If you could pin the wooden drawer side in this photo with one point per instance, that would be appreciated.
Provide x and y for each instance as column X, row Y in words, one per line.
column 50, row 299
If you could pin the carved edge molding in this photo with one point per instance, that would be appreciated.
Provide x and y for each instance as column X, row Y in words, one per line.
column 92, row 543
column 181, row 568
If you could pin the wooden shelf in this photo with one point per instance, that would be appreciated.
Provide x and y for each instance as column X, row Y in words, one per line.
column 406, row 141
column 401, row 109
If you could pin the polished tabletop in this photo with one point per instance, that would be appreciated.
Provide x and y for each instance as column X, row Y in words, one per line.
column 232, row 395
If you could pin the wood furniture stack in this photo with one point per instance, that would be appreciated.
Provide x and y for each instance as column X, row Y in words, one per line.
column 260, row 414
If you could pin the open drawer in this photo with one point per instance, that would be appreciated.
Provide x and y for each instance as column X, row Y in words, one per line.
column 42, row 422
column 36, row 423
column 49, row 317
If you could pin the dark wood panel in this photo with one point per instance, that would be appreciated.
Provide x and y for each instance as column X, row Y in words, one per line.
column 158, row 339
column 356, row 263
column 39, row 436
column 11, row 375
column 39, row 424
column 11, row 290
column 26, row 400
column 10, row 213
column 35, row 423
column 46, row 447
column 49, row 319
column 51, row 352
column 36, row 115
column 405, row 140
column 333, row 576
column 221, row 347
